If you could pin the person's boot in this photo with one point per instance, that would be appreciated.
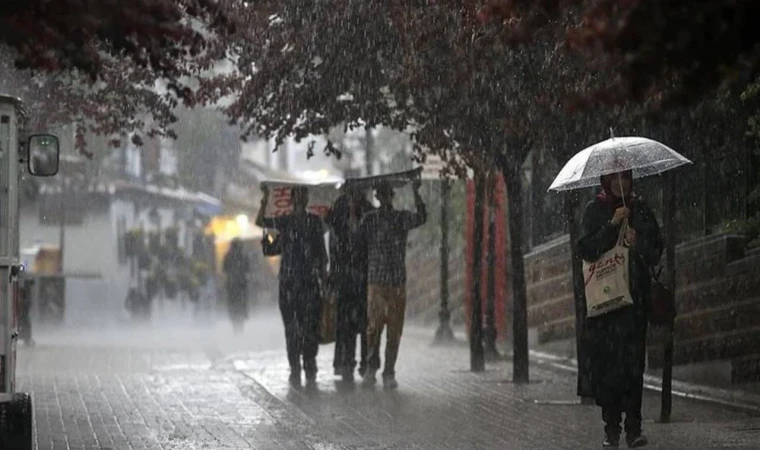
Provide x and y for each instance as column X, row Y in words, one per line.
column 389, row 382
column 369, row 378
column 348, row 375
column 611, row 440
column 310, row 369
column 295, row 378
column 637, row 440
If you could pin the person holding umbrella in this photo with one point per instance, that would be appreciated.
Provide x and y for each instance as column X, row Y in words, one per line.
column 617, row 339
column 620, row 243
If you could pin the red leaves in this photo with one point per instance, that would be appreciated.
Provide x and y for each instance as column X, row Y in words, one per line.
column 70, row 34
column 680, row 50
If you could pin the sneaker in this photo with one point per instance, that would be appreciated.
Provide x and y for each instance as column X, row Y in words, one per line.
column 311, row 376
column 295, row 378
column 636, row 441
column 369, row 378
column 611, row 441
column 389, row 382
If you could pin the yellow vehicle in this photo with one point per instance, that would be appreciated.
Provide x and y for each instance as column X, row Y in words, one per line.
column 40, row 154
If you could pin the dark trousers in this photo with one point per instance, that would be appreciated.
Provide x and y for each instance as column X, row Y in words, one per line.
column 351, row 322
column 300, row 308
column 345, row 350
column 630, row 404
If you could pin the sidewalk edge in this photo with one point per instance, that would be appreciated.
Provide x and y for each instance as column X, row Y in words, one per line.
column 737, row 399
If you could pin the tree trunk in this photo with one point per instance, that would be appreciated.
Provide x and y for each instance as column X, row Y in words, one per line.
column 490, row 333
column 511, row 173
column 477, row 354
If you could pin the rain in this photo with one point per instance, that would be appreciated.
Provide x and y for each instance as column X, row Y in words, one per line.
column 394, row 224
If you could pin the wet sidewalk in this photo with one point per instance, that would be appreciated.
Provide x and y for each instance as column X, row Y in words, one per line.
column 441, row 405
column 204, row 389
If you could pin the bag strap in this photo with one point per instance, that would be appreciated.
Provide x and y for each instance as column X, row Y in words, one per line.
column 656, row 276
column 621, row 235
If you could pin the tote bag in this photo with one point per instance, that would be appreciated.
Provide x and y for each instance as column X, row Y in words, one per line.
column 607, row 280
column 328, row 317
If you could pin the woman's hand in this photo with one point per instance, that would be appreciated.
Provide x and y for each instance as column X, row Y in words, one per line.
column 621, row 214
column 630, row 237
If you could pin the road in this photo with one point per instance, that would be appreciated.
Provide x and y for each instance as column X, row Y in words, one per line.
column 196, row 386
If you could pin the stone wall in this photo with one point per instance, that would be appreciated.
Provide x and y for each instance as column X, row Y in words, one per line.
column 718, row 298
column 551, row 313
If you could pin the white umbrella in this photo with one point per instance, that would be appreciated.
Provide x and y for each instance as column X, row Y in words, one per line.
column 643, row 156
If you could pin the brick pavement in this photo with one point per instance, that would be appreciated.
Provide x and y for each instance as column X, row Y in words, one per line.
column 201, row 394
column 441, row 405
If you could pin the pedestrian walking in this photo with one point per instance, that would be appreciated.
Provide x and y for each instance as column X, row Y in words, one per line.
column 237, row 268
column 386, row 231
column 617, row 339
column 348, row 277
column 303, row 274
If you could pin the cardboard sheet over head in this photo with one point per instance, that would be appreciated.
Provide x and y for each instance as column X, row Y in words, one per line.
column 399, row 181
column 321, row 197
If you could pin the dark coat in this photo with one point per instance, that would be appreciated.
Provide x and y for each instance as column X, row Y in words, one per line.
column 348, row 277
column 348, row 252
column 617, row 340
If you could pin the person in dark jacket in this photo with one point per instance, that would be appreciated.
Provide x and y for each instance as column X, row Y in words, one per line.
column 387, row 230
column 617, row 339
column 237, row 267
column 348, row 276
column 303, row 273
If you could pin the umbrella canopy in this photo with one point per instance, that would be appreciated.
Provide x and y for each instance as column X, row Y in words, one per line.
column 641, row 155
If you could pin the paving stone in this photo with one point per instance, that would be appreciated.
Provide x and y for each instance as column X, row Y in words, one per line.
column 110, row 395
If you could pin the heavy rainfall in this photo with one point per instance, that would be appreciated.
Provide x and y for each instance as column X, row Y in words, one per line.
column 396, row 224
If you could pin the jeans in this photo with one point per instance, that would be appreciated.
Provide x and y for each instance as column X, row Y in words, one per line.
column 351, row 322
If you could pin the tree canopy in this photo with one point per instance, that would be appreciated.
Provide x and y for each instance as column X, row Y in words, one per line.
column 669, row 52
column 110, row 66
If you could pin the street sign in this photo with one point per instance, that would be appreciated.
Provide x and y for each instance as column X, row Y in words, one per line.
column 431, row 169
column 434, row 164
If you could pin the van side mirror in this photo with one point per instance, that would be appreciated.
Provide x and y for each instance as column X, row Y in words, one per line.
column 43, row 155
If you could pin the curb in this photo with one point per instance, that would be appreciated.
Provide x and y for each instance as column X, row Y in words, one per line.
column 735, row 399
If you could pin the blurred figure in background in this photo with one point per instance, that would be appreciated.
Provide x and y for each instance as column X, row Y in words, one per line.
column 237, row 267
column 303, row 275
column 348, row 277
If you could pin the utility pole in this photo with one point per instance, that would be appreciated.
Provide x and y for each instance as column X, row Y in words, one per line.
column 444, row 334
column 369, row 151
column 477, row 353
